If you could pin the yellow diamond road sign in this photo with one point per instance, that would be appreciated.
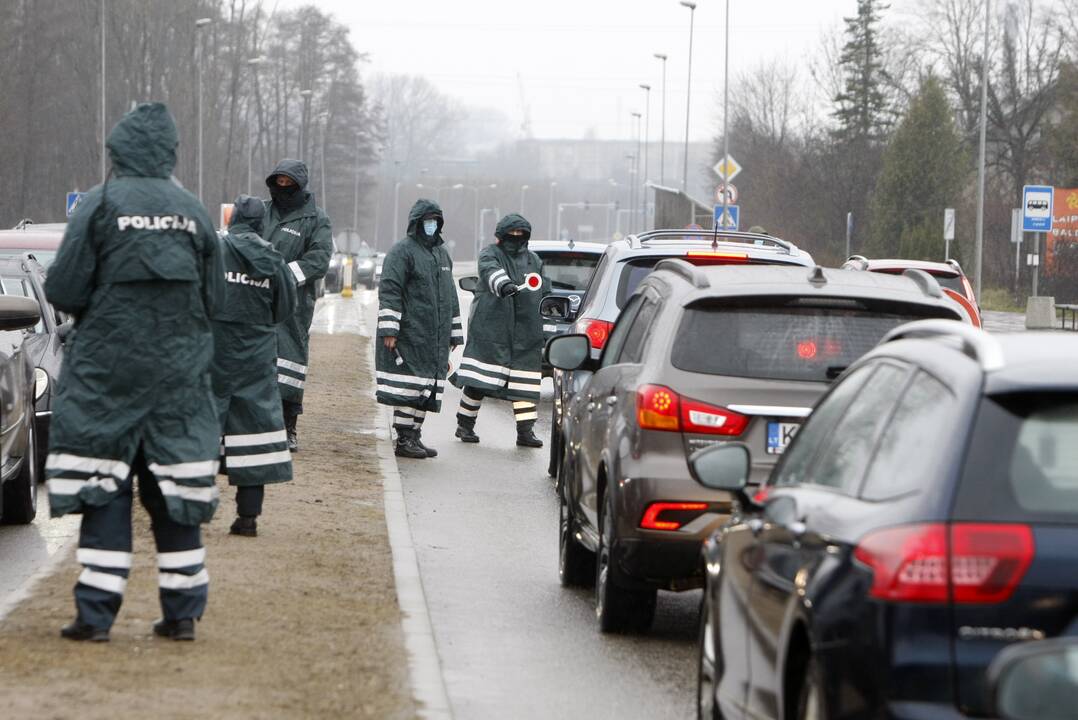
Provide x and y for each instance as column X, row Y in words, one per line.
column 727, row 169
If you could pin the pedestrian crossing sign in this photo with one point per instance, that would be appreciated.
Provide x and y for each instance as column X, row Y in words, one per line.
column 731, row 221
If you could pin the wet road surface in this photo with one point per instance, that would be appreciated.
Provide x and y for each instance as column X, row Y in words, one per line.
column 512, row 642
column 27, row 549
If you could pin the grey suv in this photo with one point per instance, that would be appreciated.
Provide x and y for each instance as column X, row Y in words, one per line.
column 701, row 356
column 627, row 262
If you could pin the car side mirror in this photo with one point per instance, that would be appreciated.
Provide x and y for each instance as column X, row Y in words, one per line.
column 555, row 307
column 18, row 313
column 469, row 283
column 567, row 352
column 64, row 329
column 722, row 467
column 1036, row 680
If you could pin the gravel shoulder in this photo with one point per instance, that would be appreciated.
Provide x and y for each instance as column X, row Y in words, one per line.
column 302, row 621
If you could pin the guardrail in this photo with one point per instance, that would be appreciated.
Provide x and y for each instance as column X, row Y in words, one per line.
column 1071, row 310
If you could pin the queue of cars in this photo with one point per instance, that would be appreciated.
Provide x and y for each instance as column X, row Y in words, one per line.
column 869, row 558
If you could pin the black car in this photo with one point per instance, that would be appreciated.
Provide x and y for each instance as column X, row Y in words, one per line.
column 924, row 519
column 701, row 356
column 43, row 343
column 19, row 446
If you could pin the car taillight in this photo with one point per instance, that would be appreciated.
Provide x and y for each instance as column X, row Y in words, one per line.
column 598, row 331
column 660, row 408
column 983, row 564
column 676, row 514
column 715, row 257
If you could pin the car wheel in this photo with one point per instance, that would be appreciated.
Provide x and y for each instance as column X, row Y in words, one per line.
column 20, row 494
column 707, row 676
column 810, row 705
column 617, row 608
column 576, row 566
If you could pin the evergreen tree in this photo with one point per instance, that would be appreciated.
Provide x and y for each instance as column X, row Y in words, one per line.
column 861, row 110
column 924, row 168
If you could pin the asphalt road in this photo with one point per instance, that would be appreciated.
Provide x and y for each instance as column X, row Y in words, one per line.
column 512, row 642
column 27, row 549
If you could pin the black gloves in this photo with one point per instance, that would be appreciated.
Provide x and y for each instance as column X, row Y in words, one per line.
column 508, row 289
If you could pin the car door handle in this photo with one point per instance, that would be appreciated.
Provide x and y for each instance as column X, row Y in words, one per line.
column 612, row 400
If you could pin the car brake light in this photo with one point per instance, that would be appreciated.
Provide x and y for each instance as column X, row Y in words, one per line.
column 806, row 350
column 983, row 564
column 715, row 257
column 687, row 511
column 598, row 331
column 660, row 408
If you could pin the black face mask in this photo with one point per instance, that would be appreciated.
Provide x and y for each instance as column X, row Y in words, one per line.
column 288, row 197
column 514, row 243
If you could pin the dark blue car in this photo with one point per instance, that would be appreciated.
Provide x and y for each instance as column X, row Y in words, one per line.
column 925, row 518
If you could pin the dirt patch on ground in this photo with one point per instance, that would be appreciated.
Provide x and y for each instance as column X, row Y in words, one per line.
column 302, row 621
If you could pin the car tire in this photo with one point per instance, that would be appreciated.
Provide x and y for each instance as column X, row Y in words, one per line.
column 810, row 702
column 576, row 566
column 618, row 609
column 20, row 494
column 707, row 667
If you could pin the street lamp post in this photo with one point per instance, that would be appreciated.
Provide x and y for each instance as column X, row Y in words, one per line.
column 304, row 131
column 253, row 63
column 662, row 132
column 103, row 130
column 553, row 188
column 199, row 24
column 647, row 137
column 324, row 117
column 396, row 210
column 523, row 189
column 725, row 115
column 355, row 196
column 978, row 248
column 634, row 189
column 688, row 94
column 632, row 186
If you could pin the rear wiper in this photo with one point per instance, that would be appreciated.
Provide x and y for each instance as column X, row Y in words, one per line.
column 833, row 371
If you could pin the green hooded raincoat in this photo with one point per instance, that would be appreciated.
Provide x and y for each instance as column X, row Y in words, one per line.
column 503, row 357
column 417, row 304
column 260, row 293
column 304, row 239
column 140, row 269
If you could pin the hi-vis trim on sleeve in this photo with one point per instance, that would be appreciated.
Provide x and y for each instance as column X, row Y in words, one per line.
column 186, row 470
column 293, row 366
column 285, row 380
column 389, row 325
column 183, row 492
column 71, row 486
column 103, row 466
column 298, row 272
column 103, row 581
column 266, row 438
column 179, row 581
column 104, row 558
column 181, row 559
column 390, row 314
column 496, row 279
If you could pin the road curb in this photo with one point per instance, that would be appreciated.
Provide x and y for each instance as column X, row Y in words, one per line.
column 425, row 667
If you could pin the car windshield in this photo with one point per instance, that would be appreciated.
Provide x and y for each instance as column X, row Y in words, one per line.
column 792, row 341
column 569, row 270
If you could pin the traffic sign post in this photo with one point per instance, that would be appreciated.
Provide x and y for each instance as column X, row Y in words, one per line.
column 73, row 200
column 732, row 219
column 948, row 232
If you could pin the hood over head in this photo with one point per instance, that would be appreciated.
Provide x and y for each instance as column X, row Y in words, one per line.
column 295, row 169
column 420, row 210
column 290, row 198
column 143, row 143
column 248, row 212
column 513, row 221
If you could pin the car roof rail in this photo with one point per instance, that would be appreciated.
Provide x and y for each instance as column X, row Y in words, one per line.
column 929, row 285
column 858, row 259
column 974, row 342
column 954, row 263
column 22, row 224
column 639, row 240
column 686, row 270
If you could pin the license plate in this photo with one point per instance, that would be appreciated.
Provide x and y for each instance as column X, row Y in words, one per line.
column 779, row 435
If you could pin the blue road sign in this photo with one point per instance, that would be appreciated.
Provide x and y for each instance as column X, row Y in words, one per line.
column 1037, row 208
column 732, row 220
column 73, row 199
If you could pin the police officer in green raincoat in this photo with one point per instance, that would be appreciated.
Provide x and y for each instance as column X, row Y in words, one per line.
column 300, row 231
column 140, row 270
column 260, row 293
column 418, row 324
column 503, row 357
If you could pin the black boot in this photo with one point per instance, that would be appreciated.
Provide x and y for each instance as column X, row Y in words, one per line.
column 408, row 447
column 431, row 452
column 293, row 438
column 467, row 434
column 526, row 437
column 79, row 631
column 246, row 526
column 175, row 629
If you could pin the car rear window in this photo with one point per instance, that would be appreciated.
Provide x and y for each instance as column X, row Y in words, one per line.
column 634, row 272
column 811, row 339
column 1022, row 464
column 569, row 270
